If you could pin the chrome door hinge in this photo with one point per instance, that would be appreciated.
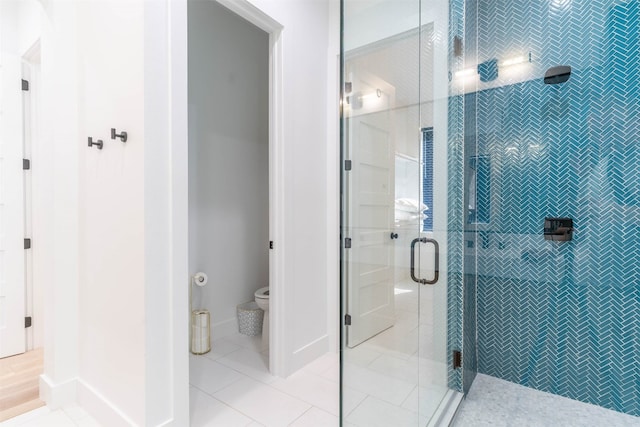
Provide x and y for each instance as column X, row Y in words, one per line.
column 347, row 243
column 347, row 165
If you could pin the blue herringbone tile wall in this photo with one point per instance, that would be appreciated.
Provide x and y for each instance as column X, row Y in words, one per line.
column 562, row 317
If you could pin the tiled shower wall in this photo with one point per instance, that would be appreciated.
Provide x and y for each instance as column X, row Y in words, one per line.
column 562, row 317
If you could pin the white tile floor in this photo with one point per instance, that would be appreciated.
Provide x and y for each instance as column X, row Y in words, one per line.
column 497, row 403
column 309, row 398
column 388, row 383
column 393, row 374
column 232, row 386
column 69, row 416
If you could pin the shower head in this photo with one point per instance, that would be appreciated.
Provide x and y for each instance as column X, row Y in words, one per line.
column 557, row 75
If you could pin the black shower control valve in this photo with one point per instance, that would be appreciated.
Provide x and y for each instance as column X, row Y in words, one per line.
column 558, row 229
column 98, row 143
column 557, row 75
column 394, row 236
column 122, row 135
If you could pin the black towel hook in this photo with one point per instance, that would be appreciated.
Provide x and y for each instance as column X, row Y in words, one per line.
column 122, row 136
column 99, row 143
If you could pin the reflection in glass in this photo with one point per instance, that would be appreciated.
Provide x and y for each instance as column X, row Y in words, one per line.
column 479, row 190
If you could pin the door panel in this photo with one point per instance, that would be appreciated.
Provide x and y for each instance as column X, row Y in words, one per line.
column 394, row 349
column 370, row 184
column 12, row 258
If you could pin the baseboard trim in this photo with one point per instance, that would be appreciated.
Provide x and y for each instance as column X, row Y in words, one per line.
column 101, row 408
column 57, row 395
column 310, row 352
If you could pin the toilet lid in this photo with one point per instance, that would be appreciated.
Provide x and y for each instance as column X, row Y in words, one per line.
column 262, row 292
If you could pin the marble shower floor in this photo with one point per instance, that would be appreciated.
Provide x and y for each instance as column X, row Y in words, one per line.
column 498, row 403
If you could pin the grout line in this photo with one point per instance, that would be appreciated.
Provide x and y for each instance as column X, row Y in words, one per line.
column 223, row 388
column 245, row 376
column 302, row 415
column 242, row 373
column 310, row 403
column 401, row 405
column 357, row 406
column 229, row 406
column 324, row 375
column 237, row 410
column 373, row 360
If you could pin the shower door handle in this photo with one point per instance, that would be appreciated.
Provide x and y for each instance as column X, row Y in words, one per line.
column 436, row 274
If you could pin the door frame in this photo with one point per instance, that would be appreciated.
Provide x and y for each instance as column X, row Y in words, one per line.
column 278, row 339
column 31, row 114
column 14, row 255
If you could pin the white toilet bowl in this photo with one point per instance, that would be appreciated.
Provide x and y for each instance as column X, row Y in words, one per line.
column 262, row 299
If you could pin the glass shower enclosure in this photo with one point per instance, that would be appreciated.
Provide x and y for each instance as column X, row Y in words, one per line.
column 489, row 177
column 402, row 221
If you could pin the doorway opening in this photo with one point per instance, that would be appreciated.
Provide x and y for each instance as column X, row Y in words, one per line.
column 21, row 353
column 32, row 222
column 233, row 202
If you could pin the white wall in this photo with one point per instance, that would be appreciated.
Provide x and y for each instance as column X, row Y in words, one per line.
column 101, row 218
column 165, row 239
column 92, row 240
column 112, row 211
column 115, row 312
column 55, row 197
column 228, row 160
column 333, row 176
column 305, row 42
column 166, row 213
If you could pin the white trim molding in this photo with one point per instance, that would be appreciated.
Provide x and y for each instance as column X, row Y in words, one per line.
column 100, row 407
column 57, row 395
column 278, row 338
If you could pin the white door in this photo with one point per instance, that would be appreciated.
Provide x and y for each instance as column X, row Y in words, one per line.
column 12, row 257
column 370, row 184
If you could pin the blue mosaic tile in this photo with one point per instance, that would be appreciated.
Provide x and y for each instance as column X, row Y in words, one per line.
column 563, row 317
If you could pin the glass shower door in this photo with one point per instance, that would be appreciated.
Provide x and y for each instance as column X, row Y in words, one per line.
column 396, row 299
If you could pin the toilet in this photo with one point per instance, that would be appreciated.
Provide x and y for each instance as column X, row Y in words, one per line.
column 262, row 299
